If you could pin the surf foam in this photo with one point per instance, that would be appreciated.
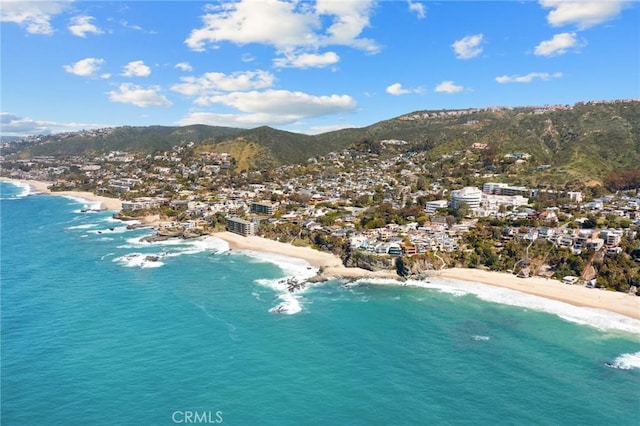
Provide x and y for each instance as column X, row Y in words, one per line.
column 626, row 362
column 597, row 318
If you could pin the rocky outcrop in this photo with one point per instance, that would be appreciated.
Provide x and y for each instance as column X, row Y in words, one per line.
column 175, row 232
column 123, row 217
column 370, row 262
column 417, row 267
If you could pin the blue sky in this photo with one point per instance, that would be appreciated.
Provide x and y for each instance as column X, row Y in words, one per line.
column 304, row 66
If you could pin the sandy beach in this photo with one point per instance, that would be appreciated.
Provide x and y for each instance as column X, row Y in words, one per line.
column 577, row 295
column 106, row 203
column 332, row 267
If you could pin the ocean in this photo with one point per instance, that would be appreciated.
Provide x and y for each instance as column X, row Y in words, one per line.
column 95, row 333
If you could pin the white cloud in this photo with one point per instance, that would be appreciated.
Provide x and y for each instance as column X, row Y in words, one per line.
column 271, row 107
column 528, row 78
column 307, row 60
column 87, row 67
column 213, row 83
column 350, row 18
column 582, row 13
column 275, row 23
column 81, row 25
column 286, row 103
column 448, row 87
column 396, row 89
column 136, row 69
column 287, row 26
column 34, row 17
column 418, row 8
column 468, row 47
column 11, row 124
column 558, row 45
column 128, row 93
column 184, row 66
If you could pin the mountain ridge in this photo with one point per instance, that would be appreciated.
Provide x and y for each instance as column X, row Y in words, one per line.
column 582, row 141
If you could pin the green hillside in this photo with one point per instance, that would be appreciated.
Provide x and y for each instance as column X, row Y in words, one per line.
column 584, row 142
column 131, row 139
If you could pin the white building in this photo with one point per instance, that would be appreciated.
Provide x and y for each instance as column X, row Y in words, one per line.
column 432, row 206
column 470, row 195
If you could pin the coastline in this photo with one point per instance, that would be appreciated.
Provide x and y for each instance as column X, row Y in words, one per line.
column 42, row 187
column 331, row 267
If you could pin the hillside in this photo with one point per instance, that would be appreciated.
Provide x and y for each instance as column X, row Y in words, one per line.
column 127, row 138
column 583, row 142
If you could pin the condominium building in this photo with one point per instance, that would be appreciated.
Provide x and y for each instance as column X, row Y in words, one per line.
column 241, row 226
column 262, row 208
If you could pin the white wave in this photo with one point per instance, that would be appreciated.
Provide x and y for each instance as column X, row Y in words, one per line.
column 85, row 226
column 88, row 205
column 290, row 305
column 179, row 247
column 376, row 281
column 478, row 337
column 113, row 230
column 626, row 362
column 292, row 267
column 112, row 219
column 598, row 318
column 138, row 260
column 25, row 189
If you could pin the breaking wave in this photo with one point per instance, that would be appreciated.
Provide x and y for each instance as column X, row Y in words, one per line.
column 626, row 362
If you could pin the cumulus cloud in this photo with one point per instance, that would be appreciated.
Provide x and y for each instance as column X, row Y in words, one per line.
column 87, row 67
column 350, row 18
column 184, row 66
column 396, row 89
column 558, row 45
column 11, row 124
column 270, row 107
column 468, row 47
column 128, row 93
column 287, row 26
column 528, row 78
column 286, row 103
column 307, row 60
column 582, row 13
column 212, row 83
column 81, row 25
column 34, row 17
column 448, row 87
column 136, row 69
column 418, row 8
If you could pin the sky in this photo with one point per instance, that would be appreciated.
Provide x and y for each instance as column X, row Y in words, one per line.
column 303, row 66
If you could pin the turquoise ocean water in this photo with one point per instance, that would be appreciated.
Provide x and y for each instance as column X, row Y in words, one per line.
column 93, row 334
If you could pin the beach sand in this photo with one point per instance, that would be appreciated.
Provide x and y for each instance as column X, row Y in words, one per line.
column 576, row 295
column 107, row 203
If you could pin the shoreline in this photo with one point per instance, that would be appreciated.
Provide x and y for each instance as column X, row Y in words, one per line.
column 331, row 268
column 42, row 187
